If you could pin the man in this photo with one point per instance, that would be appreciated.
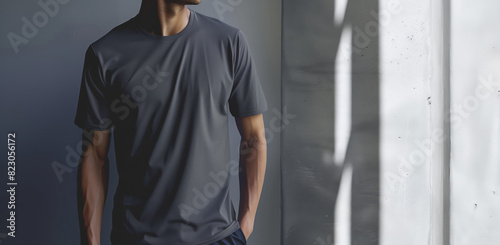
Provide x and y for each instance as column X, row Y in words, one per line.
column 164, row 82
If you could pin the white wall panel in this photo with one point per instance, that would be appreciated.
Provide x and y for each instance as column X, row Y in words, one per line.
column 475, row 122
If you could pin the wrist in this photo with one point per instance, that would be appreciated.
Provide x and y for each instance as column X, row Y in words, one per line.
column 246, row 222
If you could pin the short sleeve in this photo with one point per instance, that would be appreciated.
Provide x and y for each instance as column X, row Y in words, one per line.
column 93, row 108
column 247, row 97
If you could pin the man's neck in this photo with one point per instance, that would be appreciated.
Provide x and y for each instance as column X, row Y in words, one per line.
column 162, row 18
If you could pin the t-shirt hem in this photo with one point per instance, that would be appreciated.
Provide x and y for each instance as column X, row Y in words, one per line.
column 90, row 126
column 228, row 231
column 251, row 113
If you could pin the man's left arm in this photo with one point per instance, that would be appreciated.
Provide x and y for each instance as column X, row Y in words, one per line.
column 253, row 157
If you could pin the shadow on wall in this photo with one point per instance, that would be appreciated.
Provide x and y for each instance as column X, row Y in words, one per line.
column 311, row 174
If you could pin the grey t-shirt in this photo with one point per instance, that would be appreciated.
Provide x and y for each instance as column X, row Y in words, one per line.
column 167, row 100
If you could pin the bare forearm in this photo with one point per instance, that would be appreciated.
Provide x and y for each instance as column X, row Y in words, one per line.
column 94, row 189
column 253, row 162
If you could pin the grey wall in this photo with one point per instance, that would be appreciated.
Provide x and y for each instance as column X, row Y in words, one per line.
column 427, row 163
column 39, row 89
column 311, row 173
column 363, row 158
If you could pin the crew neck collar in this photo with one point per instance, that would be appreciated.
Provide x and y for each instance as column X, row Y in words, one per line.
column 143, row 30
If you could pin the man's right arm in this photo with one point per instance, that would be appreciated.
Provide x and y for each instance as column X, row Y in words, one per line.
column 93, row 173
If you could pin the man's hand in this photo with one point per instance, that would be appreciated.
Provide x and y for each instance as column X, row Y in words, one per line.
column 253, row 157
column 246, row 225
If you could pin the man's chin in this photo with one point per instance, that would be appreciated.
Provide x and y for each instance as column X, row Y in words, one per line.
column 188, row 2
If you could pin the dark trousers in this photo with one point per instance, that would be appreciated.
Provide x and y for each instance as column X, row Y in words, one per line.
column 236, row 238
